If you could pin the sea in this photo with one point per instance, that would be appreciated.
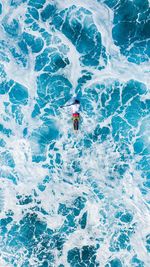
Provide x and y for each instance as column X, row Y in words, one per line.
column 74, row 199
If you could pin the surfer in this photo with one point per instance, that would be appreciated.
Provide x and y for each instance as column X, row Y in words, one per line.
column 75, row 113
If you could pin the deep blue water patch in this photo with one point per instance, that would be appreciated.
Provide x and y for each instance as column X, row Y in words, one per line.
column 2, row 143
column 84, row 36
column 36, row 44
column 12, row 28
column 5, row 86
column 114, row 263
column 63, row 209
column 132, row 89
column 41, row 187
column 136, row 262
column 5, row 131
column 90, row 97
column 87, row 106
column 148, row 243
column 120, row 169
column 15, row 3
column 20, row 59
column 36, row 111
column 101, row 134
column 48, row 12
column 71, row 216
column 110, row 99
column 41, row 138
column 139, row 146
column 87, row 142
column 23, row 46
column 120, row 128
column 83, row 79
column 29, row 20
column 24, row 200
column 6, row 159
column 124, row 105
column 114, row 101
column 135, row 111
column 50, row 60
column 34, row 13
column 26, row 235
column 83, row 220
column 18, row 94
column 37, row 4
column 78, row 204
column 86, row 256
column 120, row 240
column 9, row 175
column 53, row 89
column 25, row 132
column 131, row 30
column 3, row 225
column 1, row 8
column 75, row 165
column 144, row 163
column 46, row 36
column 125, row 217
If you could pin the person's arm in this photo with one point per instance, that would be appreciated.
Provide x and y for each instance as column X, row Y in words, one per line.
column 66, row 105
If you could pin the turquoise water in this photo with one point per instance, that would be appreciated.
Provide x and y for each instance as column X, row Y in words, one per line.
column 66, row 199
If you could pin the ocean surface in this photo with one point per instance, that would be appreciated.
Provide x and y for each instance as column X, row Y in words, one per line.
column 67, row 199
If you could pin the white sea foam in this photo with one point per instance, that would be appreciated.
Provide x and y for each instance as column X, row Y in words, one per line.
column 96, row 162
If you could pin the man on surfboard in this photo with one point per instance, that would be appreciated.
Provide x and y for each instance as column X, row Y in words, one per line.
column 75, row 113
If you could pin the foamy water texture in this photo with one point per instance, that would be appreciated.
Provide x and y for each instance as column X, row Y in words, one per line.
column 71, row 199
